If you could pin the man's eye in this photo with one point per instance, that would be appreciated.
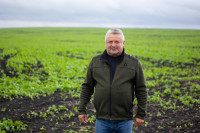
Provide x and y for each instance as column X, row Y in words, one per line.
column 110, row 42
column 117, row 42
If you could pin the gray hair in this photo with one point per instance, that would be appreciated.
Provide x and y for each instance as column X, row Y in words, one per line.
column 115, row 31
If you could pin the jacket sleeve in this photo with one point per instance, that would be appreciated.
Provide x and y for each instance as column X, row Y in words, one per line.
column 140, row 92
column 87, row 90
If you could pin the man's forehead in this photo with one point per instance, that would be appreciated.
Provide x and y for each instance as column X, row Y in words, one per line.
column 114, row 37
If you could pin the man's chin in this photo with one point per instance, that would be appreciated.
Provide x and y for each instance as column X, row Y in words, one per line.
column 114, row 54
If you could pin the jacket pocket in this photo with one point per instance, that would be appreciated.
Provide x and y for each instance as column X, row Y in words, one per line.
column 101, row 102
column 122, row 103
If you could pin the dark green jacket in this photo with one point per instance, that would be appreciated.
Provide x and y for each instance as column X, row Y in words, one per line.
column 114, row 101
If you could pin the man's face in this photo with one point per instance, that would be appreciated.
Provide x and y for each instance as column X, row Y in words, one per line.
column 114, row 45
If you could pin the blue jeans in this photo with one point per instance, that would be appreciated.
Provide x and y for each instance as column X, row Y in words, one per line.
column 110, row 126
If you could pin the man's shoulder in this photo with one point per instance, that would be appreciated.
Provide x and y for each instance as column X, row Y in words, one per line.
column 97, row 56
column 100, row 56
column 131, row 58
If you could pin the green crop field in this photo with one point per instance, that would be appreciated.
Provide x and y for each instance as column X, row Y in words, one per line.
column 42, row 69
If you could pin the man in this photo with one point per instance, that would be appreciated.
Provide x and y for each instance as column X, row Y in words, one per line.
column 117, row 78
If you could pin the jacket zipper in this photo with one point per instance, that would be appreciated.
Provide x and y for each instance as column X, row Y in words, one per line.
column 110, row 113
column 110, row 92
column 111, row 80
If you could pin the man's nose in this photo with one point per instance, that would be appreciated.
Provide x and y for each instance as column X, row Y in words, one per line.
column 113, row 44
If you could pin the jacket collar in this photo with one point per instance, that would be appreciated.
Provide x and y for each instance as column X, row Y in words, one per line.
column 105, row 55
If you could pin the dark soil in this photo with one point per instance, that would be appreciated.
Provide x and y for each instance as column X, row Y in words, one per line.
column 181, row 120
column 29, row 69
column 18, row 109
column 9, row 72
column 168, row 63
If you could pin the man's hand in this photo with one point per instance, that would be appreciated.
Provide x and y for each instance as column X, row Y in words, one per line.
column 138, row 122
column 83, row 118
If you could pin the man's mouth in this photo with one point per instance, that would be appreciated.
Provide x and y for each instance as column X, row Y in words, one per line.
column 113, row 48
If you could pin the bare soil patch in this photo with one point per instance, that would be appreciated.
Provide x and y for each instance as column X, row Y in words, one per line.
column 159, row 120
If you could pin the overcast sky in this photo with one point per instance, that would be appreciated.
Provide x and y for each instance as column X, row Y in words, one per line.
column 101, row 13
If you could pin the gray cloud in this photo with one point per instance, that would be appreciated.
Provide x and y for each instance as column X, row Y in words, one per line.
column 104, row 13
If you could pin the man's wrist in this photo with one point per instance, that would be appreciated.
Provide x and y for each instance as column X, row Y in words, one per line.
column 82, row 112
column 140, row 117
